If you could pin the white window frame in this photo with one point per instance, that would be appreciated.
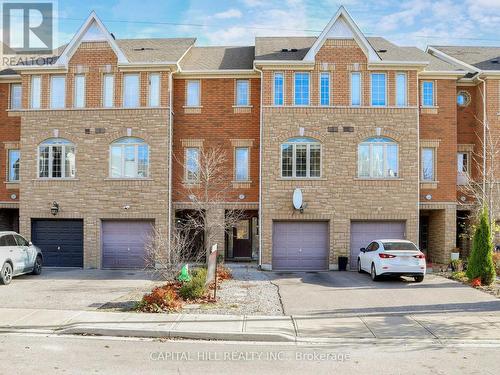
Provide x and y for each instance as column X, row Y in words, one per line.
column 116, row 143
column 51, row 146
column 433, row 94
column 237, row 104
column 463, row 178
column 52, row 92
column 308, row 160
column 327, row 74
column 405, row 89
column 385, row 89
column 186, row 174
column 236, row 164
column 198, row 82
column 283, row 89
column 433, row 149
column 138, row 92
column 360, row 89
column 308, row 89
column 19, row 105
column 75, row 90
column 36, row 95
column 104, row 86
column 9, row 158
column 157, row 98
column 370, row 144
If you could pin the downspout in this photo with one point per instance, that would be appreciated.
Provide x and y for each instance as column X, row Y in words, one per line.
column 418, row 162
column 260, row 163
column 485, row 129
column 170, row 155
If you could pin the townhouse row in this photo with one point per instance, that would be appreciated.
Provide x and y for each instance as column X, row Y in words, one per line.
column 107, row 140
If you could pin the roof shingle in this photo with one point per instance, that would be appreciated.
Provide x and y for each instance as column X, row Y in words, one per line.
column 219, row 58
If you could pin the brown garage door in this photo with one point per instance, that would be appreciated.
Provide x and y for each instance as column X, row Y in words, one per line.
column 300, row 246
column 364, row 232
column 123, row 243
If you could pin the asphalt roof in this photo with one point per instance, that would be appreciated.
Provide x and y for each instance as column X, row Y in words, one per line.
column 484, row 58
column 154, row 50
column 218, row 58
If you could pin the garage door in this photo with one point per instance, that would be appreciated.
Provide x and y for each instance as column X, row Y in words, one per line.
column 300, row 246
column 364, row 232
column 123, row 243
column 61, row 241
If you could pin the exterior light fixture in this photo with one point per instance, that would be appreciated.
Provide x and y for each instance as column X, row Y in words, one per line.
column 54, row 210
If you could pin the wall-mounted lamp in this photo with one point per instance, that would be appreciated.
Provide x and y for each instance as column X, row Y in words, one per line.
column 54, row 210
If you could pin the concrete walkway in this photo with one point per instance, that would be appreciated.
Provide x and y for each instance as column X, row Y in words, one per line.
column 253, row 328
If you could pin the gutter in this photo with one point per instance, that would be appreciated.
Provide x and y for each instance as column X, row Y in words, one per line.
column 485, row 128
column 260, row 161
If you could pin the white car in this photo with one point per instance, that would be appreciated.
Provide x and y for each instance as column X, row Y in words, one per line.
column 392, row 258
column 17, row 257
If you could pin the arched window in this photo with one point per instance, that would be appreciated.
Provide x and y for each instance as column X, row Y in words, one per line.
column 378, row 158
column 56, row 159
column 301, row 158
column 129, row 158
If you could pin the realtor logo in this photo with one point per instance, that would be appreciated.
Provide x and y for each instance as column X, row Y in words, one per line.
column 27, row 27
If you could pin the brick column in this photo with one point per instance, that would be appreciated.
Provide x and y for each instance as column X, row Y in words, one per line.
column 215, row 219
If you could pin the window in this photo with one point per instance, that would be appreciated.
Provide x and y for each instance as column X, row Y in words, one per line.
column 8, row 240
column 36, row 83
column 193, row 94
column 463, row 167
column 14, row 156
column 428, row 94
column 57, row 92
column 324, row 89
column 154, row 90
column 21, row 241
column 16, row 91
column 241, row 163
column 301, row 88
column 428, row 162
column 108, row 91
column 79, row 100
column 129, row 158
column 56, row 159
column 192, row 164
column 131, row 91
column 378, row 86
column 401, row 90
column 463, row 99
column 378, row 158
column 242, row 92
column 301, row 158
column 356, row 89
column 279, row 89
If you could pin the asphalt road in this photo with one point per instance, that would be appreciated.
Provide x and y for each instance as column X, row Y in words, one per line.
column 30, row 354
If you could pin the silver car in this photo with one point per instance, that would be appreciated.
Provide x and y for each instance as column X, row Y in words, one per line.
column 18, row 256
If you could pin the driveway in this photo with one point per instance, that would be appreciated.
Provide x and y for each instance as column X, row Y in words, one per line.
column 75, row 289
column 351, row 293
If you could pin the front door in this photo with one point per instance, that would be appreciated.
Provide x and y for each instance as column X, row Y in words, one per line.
column 242, row 240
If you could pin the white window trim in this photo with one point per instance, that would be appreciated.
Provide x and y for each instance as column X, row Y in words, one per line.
column 370, row 145
column 104, row 90
column 309, row 90
column 159, row 89
column 138, row 89
column 236, row 93
column 371, row 89
column 248, row 164
column 39, row 92
column 396, row 91
column 12, row 85
column 308, row 161
column 8, row 164
column 52, row 77
column 434, row 97
column 463, row 175
column 122, row 163
column 186, row 174
column 329, row 89
column 199, row 94
column 434, row 164
column 84, row 90
column 274, row 88
column 360, row 90
column 63, row 161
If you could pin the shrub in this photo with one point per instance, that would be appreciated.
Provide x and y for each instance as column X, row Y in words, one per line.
column 457, row 265
column 195, row 288
column 480, row 265
column 496, row 262
column 163, row 298
column 459, row 276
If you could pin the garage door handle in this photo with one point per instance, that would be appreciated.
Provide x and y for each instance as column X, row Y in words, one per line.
column 58, row 247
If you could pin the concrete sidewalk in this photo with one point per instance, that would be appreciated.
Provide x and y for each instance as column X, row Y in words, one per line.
column 252, row 328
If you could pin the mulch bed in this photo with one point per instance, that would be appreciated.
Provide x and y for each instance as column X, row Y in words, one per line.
column 493, row 289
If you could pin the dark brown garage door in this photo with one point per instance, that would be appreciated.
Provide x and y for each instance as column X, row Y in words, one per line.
column 123, row 243
column 300, row 246
column 364, row 232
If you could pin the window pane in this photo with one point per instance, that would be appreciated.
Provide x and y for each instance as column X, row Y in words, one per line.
column 355, row 89
column 241, row 164
column 428, row 164
column 325, row 89
column 428, row 93
column 392, row 160
column 364, row 160
column 154, row 90
column 69, row 167
column 377, row 160
column 242, row 92
column 286, row 160
column 129, row 167
column 131, row 91
column 192, row 164
column 143, row 162
column 14, row 156
column 193, row 94
column 56, row 161
column 278, row 89
column 116, row 161
column 378, row 89
column 43, row 164
column 463, row 163
column 108, row 91
column 79, row 91
column 15, row 96
column 301, row 161
column 35, row 92
column 57, row 92
column 301, row 88
column 401, row 90
column 315, row 160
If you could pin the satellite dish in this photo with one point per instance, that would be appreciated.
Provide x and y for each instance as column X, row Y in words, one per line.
column 297, row 199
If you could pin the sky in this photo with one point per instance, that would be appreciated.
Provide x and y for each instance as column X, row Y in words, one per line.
column 237, row 22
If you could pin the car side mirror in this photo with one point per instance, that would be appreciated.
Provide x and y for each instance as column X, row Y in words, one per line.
column 362, row 250
column 30, row 243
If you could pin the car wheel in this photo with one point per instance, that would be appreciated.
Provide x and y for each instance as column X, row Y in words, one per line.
column 419, row 279
column 6, row 274
column 359, row 266
column 37, row 267
column 373, row 273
